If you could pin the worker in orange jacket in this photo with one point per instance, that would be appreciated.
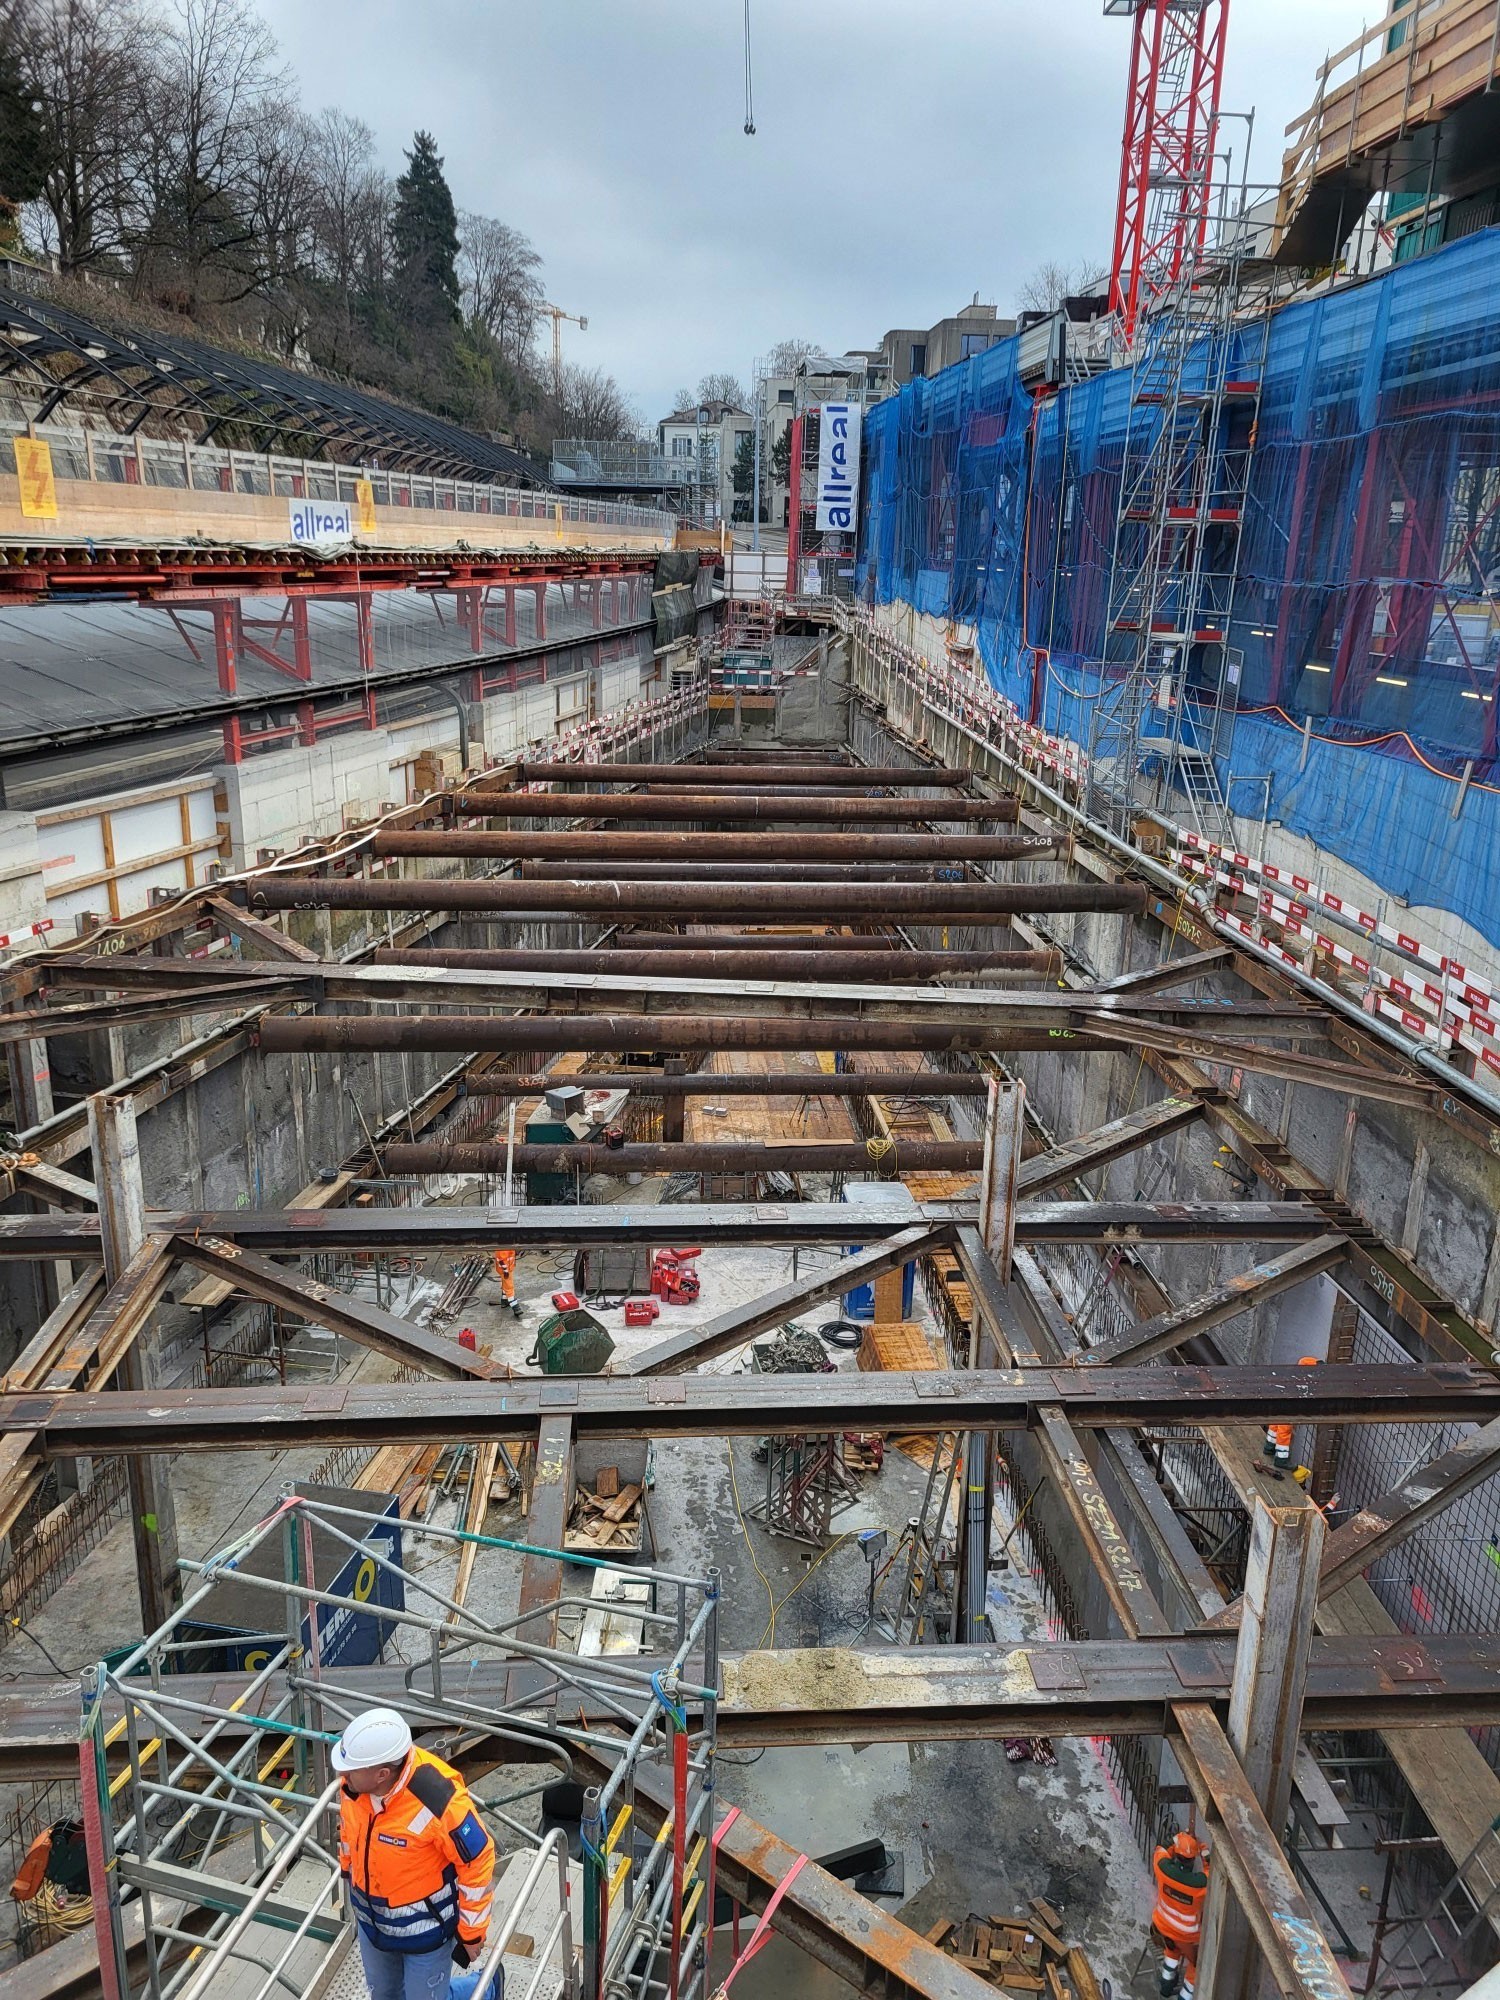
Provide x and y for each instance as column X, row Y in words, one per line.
column 1278, row 1445
column 415, row 1857
column 1180, row 1868
column 505, row 1271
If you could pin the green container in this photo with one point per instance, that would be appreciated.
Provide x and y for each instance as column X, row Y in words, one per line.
column 571, row 1343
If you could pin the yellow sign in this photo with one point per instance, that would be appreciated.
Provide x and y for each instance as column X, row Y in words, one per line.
column 364, row 500
column 38, row 489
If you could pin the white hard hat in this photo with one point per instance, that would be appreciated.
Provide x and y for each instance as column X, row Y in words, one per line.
column 379, row 1736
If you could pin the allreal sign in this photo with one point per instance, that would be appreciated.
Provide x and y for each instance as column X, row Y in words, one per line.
column 316, row 521
column 838, row 468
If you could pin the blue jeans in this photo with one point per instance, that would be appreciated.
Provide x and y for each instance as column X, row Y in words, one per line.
column 420, row 1975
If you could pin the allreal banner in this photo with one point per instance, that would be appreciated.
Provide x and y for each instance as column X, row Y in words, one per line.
column 838, row 468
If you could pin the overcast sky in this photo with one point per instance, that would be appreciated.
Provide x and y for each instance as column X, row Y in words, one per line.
column 909, row 152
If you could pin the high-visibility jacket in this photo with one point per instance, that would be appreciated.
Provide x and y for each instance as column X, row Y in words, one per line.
column 1180, row 1891
column 418, row 1864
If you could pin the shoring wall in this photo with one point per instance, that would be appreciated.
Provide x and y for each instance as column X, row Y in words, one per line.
column 1367, row 611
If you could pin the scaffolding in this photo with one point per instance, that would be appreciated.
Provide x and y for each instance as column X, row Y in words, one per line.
column 1165, row 710
column 211, row 1827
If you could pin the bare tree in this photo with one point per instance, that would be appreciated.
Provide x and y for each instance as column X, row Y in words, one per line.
column 211, row 106
column 787, row 356
column 593, row 405
column 683, row 400
column 1050, row 283
column 722, row 388
column 83, row 58
column 498, row 270
column 349, row 202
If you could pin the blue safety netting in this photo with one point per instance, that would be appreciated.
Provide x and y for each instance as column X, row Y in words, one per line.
column 1367, row 593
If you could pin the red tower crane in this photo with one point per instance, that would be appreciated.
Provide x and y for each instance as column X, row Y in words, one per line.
column 1167, row 160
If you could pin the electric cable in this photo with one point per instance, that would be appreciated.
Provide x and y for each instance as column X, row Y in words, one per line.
column 749, row 81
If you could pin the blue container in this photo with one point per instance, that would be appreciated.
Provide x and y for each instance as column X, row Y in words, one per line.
column 859, row 1303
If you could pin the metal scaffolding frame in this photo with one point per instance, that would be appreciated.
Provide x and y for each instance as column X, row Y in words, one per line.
column 213, row 1816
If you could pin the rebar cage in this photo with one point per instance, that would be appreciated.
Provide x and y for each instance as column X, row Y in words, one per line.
column 210, row 1808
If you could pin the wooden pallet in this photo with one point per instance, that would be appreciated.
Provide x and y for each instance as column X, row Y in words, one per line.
column 897, row 1347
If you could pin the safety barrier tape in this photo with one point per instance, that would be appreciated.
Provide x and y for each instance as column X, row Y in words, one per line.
column 1464, row 1007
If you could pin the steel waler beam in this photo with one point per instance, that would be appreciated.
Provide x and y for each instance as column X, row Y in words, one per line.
column 274, row 1232
column 679, row 1032
column 704, row 1083
column 716, row 776
column 892, row 967
column 692, row 848
column 746, row 1156
column 1110, row 1142
column 741, row 808
column 269, row 1416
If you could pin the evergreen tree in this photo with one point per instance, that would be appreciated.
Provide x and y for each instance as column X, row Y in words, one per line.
column 424, row 237
column 25, row 151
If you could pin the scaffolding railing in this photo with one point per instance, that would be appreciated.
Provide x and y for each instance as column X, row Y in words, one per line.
column 218, row 1818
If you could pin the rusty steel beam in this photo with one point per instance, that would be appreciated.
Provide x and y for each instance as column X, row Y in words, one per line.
column 1114, row 1141
column 704, row 1083
column 812, row 937
column 300, row 1232
column 745, row 1156
column 1321, row 1072
column 1236, row 1295
column 325, row 1305
column 740, row 809
column 896, row 967
column 856, row 776
column 692, row 848
column 677, row 1032
column 754, row 872
column 731, row 1330
column 891, row 1694
column 936, row 903
column 1358, row 1543
column 270, row 1416
column 1248, row 1848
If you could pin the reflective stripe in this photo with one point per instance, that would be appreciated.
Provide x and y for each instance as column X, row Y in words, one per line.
column 420, row 1820
column 473, row 1895
column 440, row 1905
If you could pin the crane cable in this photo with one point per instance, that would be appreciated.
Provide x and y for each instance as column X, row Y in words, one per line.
column 749, row 84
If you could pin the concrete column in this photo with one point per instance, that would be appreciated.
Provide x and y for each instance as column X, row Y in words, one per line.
column 122, row 1219
column 1265, row 1716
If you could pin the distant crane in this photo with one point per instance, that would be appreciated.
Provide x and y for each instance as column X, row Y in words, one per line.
column 557, row 316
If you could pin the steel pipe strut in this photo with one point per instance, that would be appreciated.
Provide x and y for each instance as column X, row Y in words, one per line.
column 807, row 1156
column 877, row 966
column 281, row 1034
column 713, row 776
column 938, row 902
column 609, row 870
column 812, row 939
column 786, row 1083
column 736, row 808
column 693, row 848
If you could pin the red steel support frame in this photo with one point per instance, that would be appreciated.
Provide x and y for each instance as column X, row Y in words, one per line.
column 1166, row 165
